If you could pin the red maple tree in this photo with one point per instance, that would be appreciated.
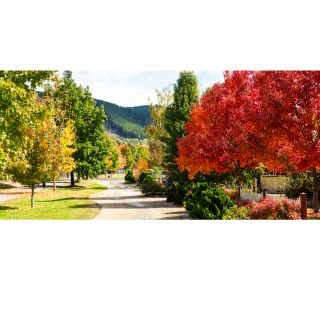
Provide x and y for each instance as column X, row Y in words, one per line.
column 271, row 117
column 219, row 137
column 288, row 119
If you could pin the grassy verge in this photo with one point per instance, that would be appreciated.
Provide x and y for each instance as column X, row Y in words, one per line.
column 65, row 203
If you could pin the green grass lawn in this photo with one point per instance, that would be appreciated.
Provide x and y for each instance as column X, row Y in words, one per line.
column 65, row 203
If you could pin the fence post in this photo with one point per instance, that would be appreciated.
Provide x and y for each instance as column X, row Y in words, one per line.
column 303, row 201
column 264, row 193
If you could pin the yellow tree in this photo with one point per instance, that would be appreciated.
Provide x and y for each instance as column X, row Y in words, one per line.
column 34, row 166
column 61, row 150
column 122, row 155
column 141, row 166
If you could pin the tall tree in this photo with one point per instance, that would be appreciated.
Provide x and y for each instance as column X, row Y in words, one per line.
column 219, row 138
column 156, row 132
column 77, row 104
column 185, row 95
column 288, row 118
column 269, row 117
column 18, row 111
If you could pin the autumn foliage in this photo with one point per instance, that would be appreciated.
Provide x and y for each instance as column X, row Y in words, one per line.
column 219, row 135
column 269, row 117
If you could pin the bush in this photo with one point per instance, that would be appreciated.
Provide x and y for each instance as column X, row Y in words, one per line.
column 207, row 202
column 143, row 176
column 232, row 194
column 236, row 213
column 177, row 191
column 152, row 187
column 298, row 183
column 129, row 177
column 269, row 208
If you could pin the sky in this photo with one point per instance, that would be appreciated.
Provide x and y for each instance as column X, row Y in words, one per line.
column 132, row 88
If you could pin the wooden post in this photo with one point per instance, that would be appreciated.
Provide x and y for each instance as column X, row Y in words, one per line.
column 264, row 193
column 303, row 201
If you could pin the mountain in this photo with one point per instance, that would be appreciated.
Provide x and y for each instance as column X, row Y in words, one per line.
column 124, row 121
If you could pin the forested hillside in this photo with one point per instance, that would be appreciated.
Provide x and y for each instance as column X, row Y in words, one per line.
column 124, row 121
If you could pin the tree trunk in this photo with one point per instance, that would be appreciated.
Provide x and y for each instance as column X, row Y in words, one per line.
column 78, row 176
column 315, row 190
column 54, row 185
column 72, row 179
column 32, row 196
column 43, row 185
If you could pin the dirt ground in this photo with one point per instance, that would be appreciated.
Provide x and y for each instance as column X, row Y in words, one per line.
column 125, row 201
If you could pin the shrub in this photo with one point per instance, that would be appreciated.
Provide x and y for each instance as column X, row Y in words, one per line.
column 177, row 191
column 269, row 208
column 143, row 176
column 236, row 213
column 129, row 177
column 152, row 187
column 298, row 183
column 207, row 202
column 232, row 194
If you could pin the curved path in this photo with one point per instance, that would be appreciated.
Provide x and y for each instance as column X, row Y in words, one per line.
column 125, row 201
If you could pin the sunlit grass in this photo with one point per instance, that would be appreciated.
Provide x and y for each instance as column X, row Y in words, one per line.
column 65, row 203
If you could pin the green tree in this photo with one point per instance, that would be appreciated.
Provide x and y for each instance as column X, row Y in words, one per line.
column 35, row 161
column 28, row 79
column 18, row 111
column 76, row 104
column 113, row 157
column 156, row 131
column 135, row 152
column 186, row 93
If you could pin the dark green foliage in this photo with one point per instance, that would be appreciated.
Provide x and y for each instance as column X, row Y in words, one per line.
column 207, row 202
column 129, row 178
column 143, row 176
column 177, row 191
column 298, row 183
column 185, row 94
column 151, row 187
column 92, row 145
column 127, row 122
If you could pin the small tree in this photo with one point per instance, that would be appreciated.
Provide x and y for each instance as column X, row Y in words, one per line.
column 34, row 167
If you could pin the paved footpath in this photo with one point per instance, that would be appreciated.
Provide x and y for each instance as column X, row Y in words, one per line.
column 125, row 201
column 6, row 197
